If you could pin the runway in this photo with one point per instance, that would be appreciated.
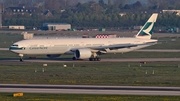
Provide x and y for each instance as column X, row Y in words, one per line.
column 102, row 60
column 4, row 49
column 90, row 89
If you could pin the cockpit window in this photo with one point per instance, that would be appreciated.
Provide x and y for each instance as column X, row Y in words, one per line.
column 15, row 45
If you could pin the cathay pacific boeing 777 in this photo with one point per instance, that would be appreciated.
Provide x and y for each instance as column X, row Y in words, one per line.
column 86, row 48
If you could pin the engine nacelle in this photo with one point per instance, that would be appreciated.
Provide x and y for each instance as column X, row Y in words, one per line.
column 82, row 54
column 53, row 55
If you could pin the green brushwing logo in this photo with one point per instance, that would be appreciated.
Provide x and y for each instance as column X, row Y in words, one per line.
column 147, row 30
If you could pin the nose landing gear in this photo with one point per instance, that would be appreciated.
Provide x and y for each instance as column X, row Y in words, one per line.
column 21, row 57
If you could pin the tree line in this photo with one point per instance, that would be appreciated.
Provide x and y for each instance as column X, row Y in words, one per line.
column 95, row 14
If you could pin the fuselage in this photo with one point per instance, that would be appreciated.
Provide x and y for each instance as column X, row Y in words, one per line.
column 65, row 45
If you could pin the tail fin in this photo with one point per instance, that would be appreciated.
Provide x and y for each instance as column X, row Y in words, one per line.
column 146, row 31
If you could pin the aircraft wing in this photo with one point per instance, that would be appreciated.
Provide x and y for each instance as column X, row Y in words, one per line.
column 113, row 47
column 110, row 47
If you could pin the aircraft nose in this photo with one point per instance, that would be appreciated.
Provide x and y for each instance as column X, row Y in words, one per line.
column 15, row 48
column 11, row 48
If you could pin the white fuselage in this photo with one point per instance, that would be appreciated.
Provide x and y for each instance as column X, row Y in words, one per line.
column 65, row 45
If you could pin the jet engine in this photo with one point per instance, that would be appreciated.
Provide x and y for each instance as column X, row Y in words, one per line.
column 82, row 54
column 53, row 55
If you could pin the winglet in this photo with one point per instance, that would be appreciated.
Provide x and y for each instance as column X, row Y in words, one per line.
column 146, row 31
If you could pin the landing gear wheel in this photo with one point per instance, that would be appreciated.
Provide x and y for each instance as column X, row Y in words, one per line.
column 74, row 58
column 21, row 60
column 98, row 59
column 95, row 59
column 90, row 59
column 21, row 57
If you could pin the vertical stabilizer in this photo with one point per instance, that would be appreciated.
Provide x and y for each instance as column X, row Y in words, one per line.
column 146, row 31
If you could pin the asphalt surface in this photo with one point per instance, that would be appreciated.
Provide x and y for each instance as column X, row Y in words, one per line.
column 102, row 60
column 89, row 89
column 4, row 49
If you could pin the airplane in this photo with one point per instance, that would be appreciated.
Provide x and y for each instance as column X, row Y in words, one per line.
column 86, row 48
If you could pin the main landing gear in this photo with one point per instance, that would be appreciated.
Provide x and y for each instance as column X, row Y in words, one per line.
column 95, row 57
